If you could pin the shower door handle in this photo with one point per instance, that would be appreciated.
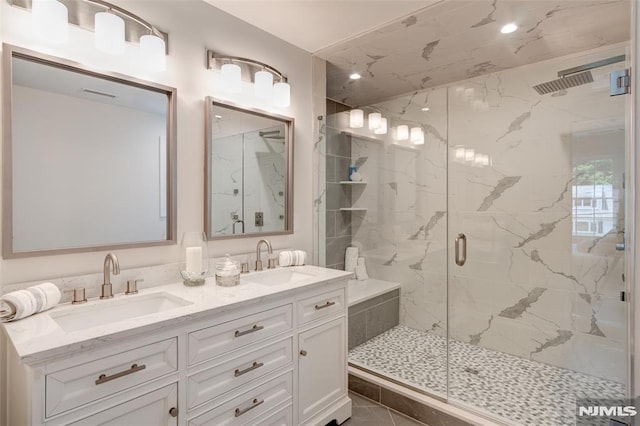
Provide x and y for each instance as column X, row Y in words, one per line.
column 461, row 259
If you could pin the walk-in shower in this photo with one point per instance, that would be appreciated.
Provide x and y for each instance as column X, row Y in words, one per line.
column 533, row 324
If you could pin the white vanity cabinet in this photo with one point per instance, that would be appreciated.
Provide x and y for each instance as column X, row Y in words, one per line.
column 281, row 360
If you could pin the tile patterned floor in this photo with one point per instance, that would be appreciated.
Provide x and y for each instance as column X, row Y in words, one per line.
column 365, row 412
column 518, row 390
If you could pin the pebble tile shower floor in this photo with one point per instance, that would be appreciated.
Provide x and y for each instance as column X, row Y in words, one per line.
column 518, row 390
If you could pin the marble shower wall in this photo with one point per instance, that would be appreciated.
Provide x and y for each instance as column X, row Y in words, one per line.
column 250, row 177
column 531, row 287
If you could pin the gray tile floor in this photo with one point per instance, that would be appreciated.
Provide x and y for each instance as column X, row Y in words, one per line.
column 368, row 413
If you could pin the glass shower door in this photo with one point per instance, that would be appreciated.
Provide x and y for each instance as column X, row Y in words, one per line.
column 536, row 199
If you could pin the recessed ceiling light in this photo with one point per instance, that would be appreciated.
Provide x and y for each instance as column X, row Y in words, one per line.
column 355, row 76
column 509, row 28
column 425, row 109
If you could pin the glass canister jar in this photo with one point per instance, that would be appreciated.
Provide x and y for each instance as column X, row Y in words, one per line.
column 227, row 272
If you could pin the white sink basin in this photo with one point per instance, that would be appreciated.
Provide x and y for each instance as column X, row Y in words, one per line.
column 281, row 276
column 111, row 311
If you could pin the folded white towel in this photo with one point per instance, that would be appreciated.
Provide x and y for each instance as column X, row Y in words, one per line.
column 292, row 258
column 351, row 259
column 361, row 270
column 32, row 300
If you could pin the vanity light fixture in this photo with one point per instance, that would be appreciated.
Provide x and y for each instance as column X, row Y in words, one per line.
column 375, row 120
column 426, row 109
column 255, row 72
column 382, row 130
column 231, row 78
column 263, row 84
column 113, row 27
column 355, row 76
column 417, row 136
column 50, row 20
column 402, row 132
column 356, row 118
column 109, row 33
column 509, row 28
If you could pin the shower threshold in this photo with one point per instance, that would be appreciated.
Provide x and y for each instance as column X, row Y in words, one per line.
column 504, row 387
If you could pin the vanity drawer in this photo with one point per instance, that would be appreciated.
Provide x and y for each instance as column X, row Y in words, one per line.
column 320, row 306
column 212, row 382
column 214, row 341
column 282, row 417
column 73, row 387
column 248, row 408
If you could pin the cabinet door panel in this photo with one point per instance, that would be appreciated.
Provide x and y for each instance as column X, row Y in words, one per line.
column 322, row 367
column 151, row 409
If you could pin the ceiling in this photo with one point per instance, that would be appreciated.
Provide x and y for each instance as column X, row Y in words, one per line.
column 401, row 47
column 317, row 24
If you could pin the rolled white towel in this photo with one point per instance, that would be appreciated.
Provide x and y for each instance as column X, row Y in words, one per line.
column 23, row 302
column 284, row 258
column 47, row 295
column 301, row 257
column 351, row 259
column 361, row 270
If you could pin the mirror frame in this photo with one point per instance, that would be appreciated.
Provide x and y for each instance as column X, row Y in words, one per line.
column 10, row 52
column 210, row 102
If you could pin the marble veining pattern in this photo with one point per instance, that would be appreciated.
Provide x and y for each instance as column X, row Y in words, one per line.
column 517, row 390
column 441, row 44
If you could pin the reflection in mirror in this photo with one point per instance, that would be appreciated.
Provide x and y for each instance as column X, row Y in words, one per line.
column 87, row 158
column 248, row 183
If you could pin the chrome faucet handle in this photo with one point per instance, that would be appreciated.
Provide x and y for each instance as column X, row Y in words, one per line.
column 79, row 296
column 244, row 268
column 271, row 263
column 132, row 286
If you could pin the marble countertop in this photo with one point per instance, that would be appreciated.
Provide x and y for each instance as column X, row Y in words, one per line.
column 39, row 337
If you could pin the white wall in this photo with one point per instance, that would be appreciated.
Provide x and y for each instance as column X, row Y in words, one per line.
column 193, row 26
column 109, row 152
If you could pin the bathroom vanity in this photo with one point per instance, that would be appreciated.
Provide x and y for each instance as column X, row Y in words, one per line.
column 270, row 351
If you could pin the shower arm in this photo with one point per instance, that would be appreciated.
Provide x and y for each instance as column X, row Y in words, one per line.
column 591, row 65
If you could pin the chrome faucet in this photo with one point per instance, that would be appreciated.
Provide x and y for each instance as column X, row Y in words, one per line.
column 271, row 263
column 107, row 288
column 236, row 222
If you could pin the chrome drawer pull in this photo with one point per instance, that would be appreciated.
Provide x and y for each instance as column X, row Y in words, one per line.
column 326, row 305
column 253, row 329
column 240, row 412
column 248, row 369
column 103, row 378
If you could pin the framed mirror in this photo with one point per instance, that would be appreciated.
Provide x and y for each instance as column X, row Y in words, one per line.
column 88, row 158
column 249, row 172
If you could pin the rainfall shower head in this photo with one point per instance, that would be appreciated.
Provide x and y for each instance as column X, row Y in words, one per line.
column 272, row 134
column 576, row 76
column 564, row 83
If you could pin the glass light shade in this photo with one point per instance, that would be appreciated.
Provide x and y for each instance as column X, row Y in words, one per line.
column 194, row 258
column 375, row 119
column 417, row 135
column 356, row 118
column 50, row 21
column 152, row 51
column 402, row 132
column 469, row 154
column 281, row 94
column 231, row 78
column 459, row 152
column 109, row 33
column 263, row 84
column 382, row 130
